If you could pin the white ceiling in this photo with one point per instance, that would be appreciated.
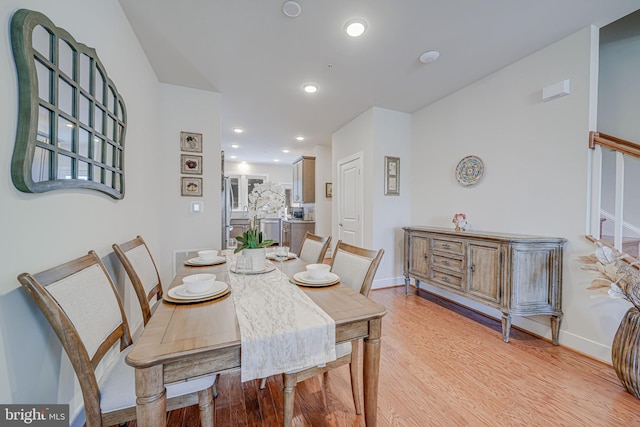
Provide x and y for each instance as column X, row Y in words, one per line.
column 258, row 59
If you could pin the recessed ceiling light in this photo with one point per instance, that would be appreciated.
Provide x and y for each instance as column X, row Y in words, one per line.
column 310, row 87
column 238, row 130
column 276, row 160
column 232, row 157
column 355, row 27
column 429, row 56
column 234, row 146
column 291, row 9
column 285, row 151
column 300, row 138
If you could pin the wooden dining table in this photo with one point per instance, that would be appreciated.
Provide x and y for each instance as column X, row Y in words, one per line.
column 183, row 341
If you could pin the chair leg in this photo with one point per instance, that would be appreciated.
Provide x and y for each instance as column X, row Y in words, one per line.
column 207, row 408
column 215, row 386
column 321, row 378
column 355, row 375
column 263, row 383
column 289, row 391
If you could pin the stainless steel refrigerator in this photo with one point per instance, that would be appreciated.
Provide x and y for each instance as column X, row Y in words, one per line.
column 227, row 204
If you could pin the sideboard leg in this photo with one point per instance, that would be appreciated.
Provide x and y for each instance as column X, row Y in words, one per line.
column 555, row 328
column 417, row 284
column 407, row 286
column 506, row 326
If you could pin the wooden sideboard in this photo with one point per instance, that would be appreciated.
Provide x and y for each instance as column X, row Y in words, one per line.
column 519, row 275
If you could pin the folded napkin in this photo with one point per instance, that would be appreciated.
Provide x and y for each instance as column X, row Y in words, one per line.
column 281, row 328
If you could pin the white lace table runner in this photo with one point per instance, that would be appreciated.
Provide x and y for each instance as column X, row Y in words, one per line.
column 281, row 328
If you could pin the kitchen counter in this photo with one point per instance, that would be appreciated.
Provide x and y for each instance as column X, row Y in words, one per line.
column 293, row 231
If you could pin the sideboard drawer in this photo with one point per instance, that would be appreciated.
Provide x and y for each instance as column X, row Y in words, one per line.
column 446, row 279
column 453, row 264
column 451, row 246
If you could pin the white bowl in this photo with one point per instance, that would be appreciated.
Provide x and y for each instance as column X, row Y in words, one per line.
column 318, row 271
column 198, row 283
column 208, row 254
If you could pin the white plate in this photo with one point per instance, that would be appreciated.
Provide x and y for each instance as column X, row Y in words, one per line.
column 200, row 261
column 180, row 292
column 271, row 255
column 303, row 277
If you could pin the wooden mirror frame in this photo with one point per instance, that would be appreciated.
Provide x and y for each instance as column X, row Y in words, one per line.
column 79, row 95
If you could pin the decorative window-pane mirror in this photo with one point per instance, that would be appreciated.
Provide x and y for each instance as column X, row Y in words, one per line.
column 71, row 118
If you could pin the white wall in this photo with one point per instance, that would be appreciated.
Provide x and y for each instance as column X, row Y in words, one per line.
column 618, row 105
column 535, row 182
column 39, row 231
column 323, row 205
column 189, row 110
column 392, row 137
column 377, row 133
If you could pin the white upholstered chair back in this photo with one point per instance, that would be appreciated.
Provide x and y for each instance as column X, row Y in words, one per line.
column 142, row 272
column 83, row 293
column 314, row 248
column 356, row 266
column 89, row 301
column 81, row 303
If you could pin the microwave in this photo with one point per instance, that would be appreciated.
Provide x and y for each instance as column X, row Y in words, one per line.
column 297, row 213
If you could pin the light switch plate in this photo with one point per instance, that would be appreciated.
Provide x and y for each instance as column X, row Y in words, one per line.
column 196, row 207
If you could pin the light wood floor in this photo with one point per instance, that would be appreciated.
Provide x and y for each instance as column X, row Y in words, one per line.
column 443, row 365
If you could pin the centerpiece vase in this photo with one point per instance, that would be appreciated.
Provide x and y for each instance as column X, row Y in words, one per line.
column 625, row 350
column 258, row 257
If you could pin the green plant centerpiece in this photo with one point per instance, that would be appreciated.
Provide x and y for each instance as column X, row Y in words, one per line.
column 267, row 198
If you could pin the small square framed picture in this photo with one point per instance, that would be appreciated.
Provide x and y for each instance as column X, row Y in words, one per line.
column 191, row 142
column 391, row 176
column 191, row 186
column 328, row 190
column 190, row 164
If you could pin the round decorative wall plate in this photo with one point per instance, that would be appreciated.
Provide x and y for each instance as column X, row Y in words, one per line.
column 469, row 170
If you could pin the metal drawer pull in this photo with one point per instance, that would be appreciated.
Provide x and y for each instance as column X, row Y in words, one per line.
column 472, row 268
column 446, row 246
column 446, row 262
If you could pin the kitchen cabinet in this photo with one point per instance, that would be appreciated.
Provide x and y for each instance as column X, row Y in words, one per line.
column 293, row 233
column 516, row 274
column 304, row 180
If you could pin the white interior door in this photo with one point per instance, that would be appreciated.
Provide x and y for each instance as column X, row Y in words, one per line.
column 350, row 208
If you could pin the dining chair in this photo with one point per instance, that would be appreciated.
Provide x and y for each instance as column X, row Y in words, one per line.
column 81, row 303
column 314, row 248
column 141, row 269
column 356, row 268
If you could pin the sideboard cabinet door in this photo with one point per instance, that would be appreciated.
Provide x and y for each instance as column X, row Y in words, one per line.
column 419, row 256
column 484, row 272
